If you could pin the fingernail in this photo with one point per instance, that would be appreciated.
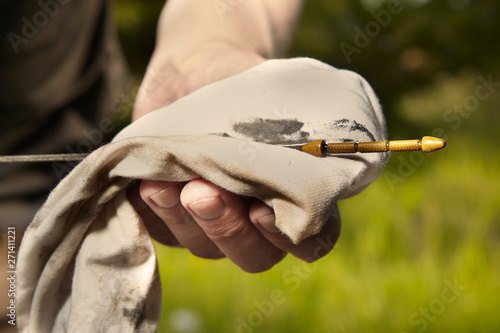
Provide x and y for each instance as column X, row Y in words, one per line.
column 268, row 222
column 167, row 198
column 208, row 208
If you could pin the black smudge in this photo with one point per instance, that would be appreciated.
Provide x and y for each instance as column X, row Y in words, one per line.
column 272, row 130
column 352, row 126
column 136, row 315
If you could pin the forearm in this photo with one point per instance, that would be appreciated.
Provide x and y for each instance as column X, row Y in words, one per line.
column 197, row 44
column 263, row 27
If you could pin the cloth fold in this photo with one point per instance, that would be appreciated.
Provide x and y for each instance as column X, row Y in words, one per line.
column 87, row 263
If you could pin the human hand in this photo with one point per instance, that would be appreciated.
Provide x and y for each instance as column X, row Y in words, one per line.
column 206, row 219
column 214, row 223
column 200, row 216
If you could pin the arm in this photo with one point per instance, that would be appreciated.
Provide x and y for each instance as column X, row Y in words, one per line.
column 197, row 45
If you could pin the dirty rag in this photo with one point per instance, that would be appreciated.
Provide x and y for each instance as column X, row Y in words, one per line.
column 87, row 263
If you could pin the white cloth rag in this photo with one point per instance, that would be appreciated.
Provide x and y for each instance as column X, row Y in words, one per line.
column 87, row 263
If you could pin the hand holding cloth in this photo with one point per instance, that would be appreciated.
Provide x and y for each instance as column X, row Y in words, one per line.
column 87, row 262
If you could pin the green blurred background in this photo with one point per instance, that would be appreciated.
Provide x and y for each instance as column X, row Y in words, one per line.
column 419, row 249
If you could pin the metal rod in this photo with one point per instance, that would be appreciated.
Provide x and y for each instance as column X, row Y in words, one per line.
column 42, row 158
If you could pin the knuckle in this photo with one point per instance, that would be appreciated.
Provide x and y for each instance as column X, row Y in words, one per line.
column 222, row 230
column 256, row 269
column 265, row 264
column 175, row 218
column 166, row 239
column 208, row 253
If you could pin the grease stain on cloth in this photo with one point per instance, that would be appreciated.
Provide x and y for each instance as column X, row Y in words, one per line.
column 272, row 130
column 287, row 131
column 350, row 126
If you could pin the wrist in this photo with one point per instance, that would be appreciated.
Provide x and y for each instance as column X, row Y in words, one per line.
column 215, row 60
column 172, row 74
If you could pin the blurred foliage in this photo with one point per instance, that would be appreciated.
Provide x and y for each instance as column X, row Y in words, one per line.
column 425, row 40
column 136, row 21
column 428, row 219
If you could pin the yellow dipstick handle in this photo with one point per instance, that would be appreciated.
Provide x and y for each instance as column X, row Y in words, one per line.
column 320, row 148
